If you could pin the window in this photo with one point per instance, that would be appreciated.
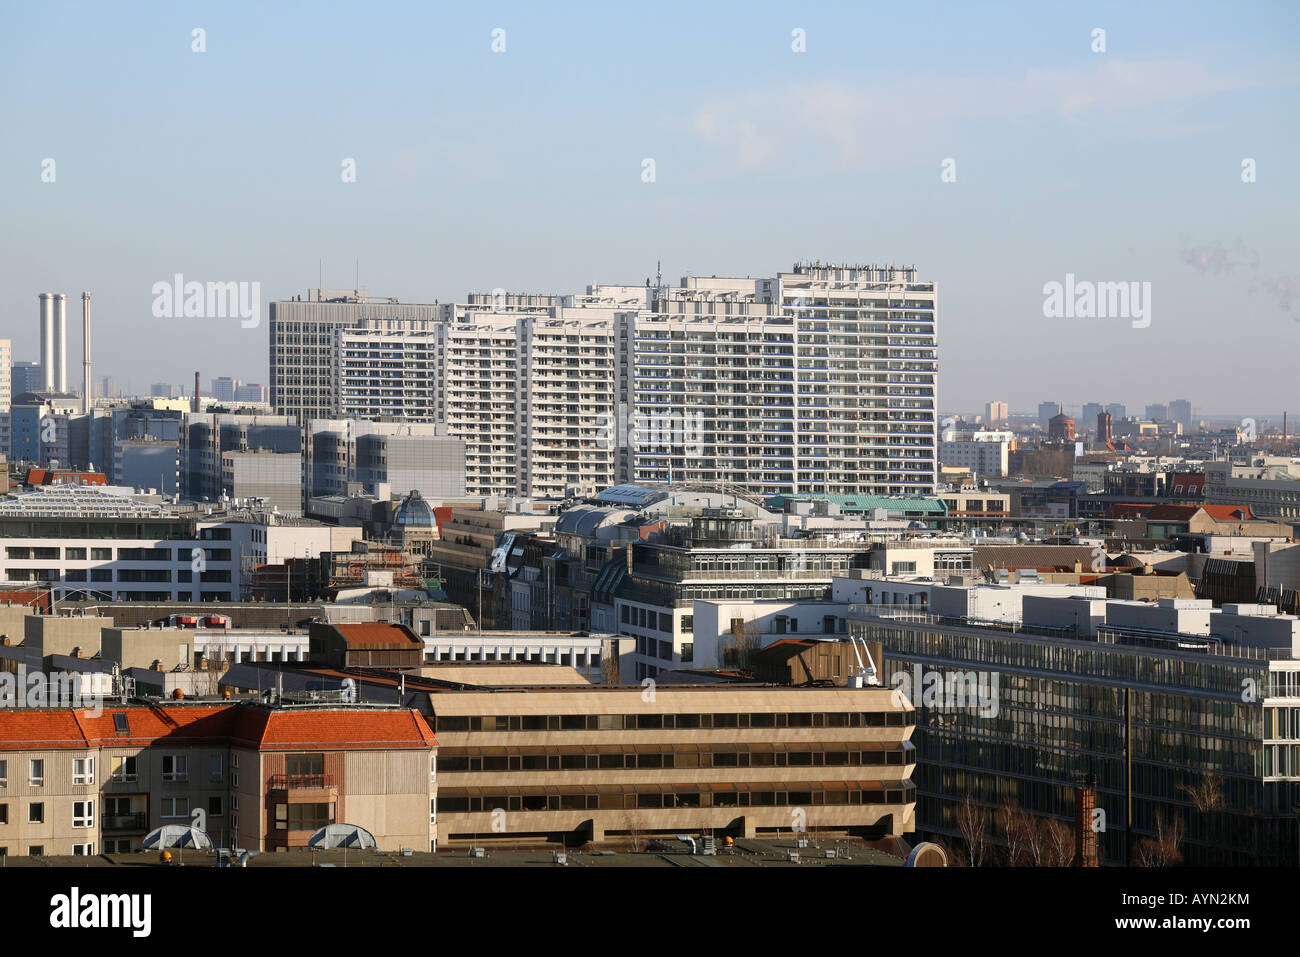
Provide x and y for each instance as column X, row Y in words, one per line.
column 124, row 769
column 83, row 813
column 83, row 850
column 234, row 802
column 83, row 770
column 234, row 760
column 101, row 575
column 175, row 767
column 214, row 767
column 234, row 779
column 74, row 554
column 101, row 554
column 4, row 774
column 36, row 850
column 216, row 807
column 4, row 813
column 303, row 817
column 36, row 773
column 176, row 807
column 305, row 764
column 36, row 813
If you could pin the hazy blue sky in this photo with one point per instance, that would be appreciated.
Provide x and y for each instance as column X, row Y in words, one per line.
column 523, row 170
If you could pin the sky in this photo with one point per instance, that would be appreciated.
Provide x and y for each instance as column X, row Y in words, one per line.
column 999, row 147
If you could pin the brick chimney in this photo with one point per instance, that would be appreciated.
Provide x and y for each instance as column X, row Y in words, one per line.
column 1085, row 838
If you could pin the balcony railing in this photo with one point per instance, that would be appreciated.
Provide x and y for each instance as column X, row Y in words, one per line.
column 280, row 782
column 138, row 821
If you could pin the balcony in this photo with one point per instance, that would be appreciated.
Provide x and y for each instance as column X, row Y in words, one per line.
column 300, row 782
column 120, row 823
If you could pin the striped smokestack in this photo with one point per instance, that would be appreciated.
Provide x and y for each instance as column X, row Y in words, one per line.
column 85, row 359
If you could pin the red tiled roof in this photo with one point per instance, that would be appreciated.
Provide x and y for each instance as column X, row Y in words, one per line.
column 331, row 729
column 365, row 730
column 47, row 477
column 377, row 636
column 1229, row 513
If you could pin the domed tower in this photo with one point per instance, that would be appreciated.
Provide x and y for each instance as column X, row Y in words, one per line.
column 414, row 524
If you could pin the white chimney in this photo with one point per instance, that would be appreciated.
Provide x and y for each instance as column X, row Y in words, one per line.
column 47, row 342
column 61, row 342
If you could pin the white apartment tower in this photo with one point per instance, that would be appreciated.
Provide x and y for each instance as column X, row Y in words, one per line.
column 819, row 380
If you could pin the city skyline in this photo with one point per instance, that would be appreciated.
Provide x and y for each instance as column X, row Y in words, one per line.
column 1065, row 162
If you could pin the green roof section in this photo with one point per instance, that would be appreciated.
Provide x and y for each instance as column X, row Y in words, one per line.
column 894, row 504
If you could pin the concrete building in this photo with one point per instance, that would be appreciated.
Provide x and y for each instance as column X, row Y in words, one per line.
column 551, row 393
column 727, row 634
column 1048, row 411
column 6, row 385
column 996, row 412
column 594, row 764
column 274, row 478
column 1180, row 411
column 24, row 377
column 207, row 436
column 1269, row 484
column 378, row 456
column 223, row 388
column 1168, row 717
column 85, row 783
column 102, row 543
column 303, row 383
column 982, row 451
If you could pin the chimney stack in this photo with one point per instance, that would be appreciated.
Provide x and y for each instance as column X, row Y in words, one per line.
column 60, row 346
column 1085, row 838
column 85, row 361
column 47, row 341
column 197, row 407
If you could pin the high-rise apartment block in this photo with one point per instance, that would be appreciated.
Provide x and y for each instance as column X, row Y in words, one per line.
column 6, row 361
column 819, row 380
column 995, row 412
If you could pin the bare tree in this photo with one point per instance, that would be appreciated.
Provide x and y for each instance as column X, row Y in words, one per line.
column 635, row 833
column 1018, row 831
column 1206, row 792
column 973, row 823
column 1057, row 840
column 1165, row 849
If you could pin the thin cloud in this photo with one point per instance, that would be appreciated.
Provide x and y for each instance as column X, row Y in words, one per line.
column 874, row 125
